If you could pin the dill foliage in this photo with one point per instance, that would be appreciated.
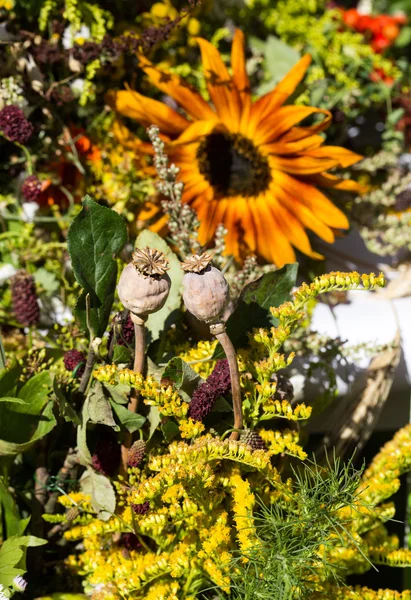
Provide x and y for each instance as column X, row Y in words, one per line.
column 296, row 535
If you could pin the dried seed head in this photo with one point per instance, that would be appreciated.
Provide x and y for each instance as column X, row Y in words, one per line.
column 206, row 291
column 136, row 453
column 72, row 513
column 144, row 284
column 252, row 439
column 150, row 261
column 196, row 263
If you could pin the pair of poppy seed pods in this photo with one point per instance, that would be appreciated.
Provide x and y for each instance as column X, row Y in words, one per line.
column 144, row 286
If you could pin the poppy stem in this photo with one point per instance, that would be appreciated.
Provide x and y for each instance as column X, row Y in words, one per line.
column 139, row 361
column 219, row 331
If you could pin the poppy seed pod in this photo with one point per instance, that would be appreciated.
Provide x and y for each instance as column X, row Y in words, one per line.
column 144, row 284
column 206, row 291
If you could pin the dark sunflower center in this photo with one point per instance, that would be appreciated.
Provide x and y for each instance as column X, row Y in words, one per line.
column 233, row 165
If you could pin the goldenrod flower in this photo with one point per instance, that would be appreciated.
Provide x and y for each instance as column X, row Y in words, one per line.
column 249, row 165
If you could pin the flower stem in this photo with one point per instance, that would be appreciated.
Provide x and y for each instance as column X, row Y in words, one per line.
column 218, row 330
column 139, row 360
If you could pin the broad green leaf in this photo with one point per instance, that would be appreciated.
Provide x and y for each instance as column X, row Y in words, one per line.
column 279, row 57
column 99, row 409
column 253, row 308
column 12, row 400
column 158, row 322
column 221, row 405
column 182, row 375
column 129, row 420
column 12, row 551
column 19, row 431
column 35, row 393
column 103, row 498
column 96, row 235
column 65, row 408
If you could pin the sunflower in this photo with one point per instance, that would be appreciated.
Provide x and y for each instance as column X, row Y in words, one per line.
column 251, row 166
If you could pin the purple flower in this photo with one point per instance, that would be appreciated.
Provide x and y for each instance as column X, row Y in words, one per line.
column 31, row 188
column 206, row 394
column 14, row 125
column 141, row 509
column 72, row 359
column 24, row 298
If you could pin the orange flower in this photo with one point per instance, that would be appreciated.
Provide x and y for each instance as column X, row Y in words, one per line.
column 249, row 165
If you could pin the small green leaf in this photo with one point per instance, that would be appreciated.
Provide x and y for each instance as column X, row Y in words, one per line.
column 158, row 322
column 99, row 409
column 46, row 280
column 170, row 430
column 122, row 355
column 404, row 38
column 279, row 57
column 84, row 452
column 120, row 392
column 9, row 379
column 221, row 405
column 35, row 394
column 131, row 421
column 253, row 308
column 96, row 235
column 182, row 375
column 154, row 419
column 11, row 513
column 65, row 408
column 103, row 498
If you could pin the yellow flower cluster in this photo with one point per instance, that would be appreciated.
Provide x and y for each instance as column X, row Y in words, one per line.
column 283, row 410
column 360, row 593
column 243, row 505
column 199, row 357
column 165, row 398
column 282, row 442
column 191, row 429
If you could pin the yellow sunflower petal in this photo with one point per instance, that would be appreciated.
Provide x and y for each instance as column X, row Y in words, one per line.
column 302, row 165
column 292, row 227
column 269, row 103
column 314, row 199
column 331, row 181
column 221, row 88
column 345, row 157
column 282, row 147
column 207, row 229
column 284, row 119
column 148, row 111
column 240, row 77
column 304, row 214
column 231, row 222
column 272, row 244
column 197, row 130
column 171, row 84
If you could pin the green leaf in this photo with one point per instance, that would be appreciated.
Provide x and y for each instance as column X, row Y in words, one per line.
column 122, row 355
column 103, row 498
column 131, row 421
column 11, row 513
column 83, row 450
column 119, row 393
column 279, row 57
column 404, row 38
column 35, row 393
column 221, row 405
column 160, row 321
column 96, row 235
column 182, row 375
column 9, row 379
column 154, row 419
column 46, row 280
column 18, row 432
column 99, row 409
column 170, row 430
column 272, row 289
column 11, row 553
column 65, row 408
